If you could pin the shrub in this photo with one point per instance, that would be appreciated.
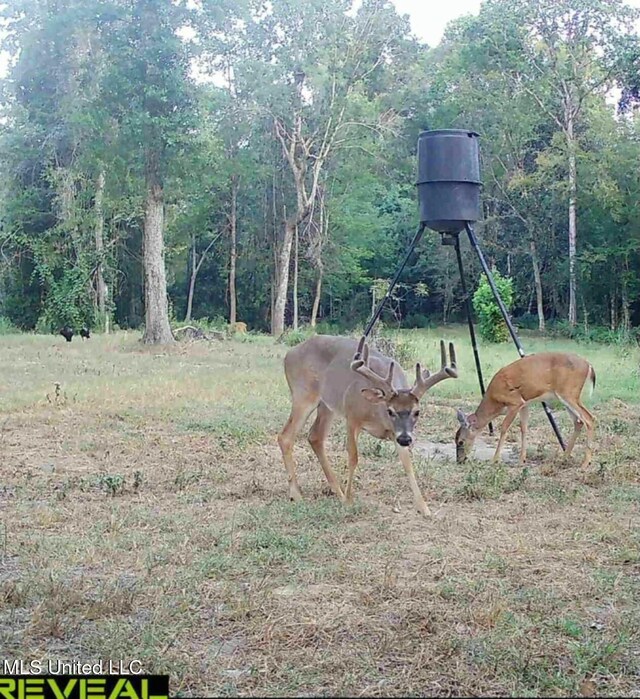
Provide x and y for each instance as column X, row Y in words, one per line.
column 491, row 324
column 399, row 348
column 595, row 333
column 417, row 320
column 527, row 321
column 291, row 338
column 7, row 327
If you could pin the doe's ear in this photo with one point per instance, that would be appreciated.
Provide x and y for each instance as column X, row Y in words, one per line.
column 462, row 418
column 374, row 395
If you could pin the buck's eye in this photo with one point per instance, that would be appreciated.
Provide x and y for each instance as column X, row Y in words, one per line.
column 416, row 414
column 390, row 412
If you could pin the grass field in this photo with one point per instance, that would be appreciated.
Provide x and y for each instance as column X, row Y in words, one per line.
column 144, row 516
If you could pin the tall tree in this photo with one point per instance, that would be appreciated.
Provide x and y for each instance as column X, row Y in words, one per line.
column 320, row 102
column 566, row 51
column 150, row 94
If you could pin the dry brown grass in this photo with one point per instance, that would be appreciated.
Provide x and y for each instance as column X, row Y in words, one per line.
column 143, row 515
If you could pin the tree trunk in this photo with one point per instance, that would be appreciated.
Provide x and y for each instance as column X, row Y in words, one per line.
column 101, row 287
column 233, row 219
column 573, row 188
column 555, row 300
column 316, row 300
column 626, row 311
column 586, row 317
column 294, row 150
column 192, row 280
column 107, row 317
column 538, row 283
column 612, row 312
column 157, row 329
column 273, row 300
column 282, row 282
column 295, row 280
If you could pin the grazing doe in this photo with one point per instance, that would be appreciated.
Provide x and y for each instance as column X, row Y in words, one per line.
column 339, row 375
column 536, row 377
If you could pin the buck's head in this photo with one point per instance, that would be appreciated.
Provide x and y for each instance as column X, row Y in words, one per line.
column 466, row 435
column 402, row 408
column 401, row 404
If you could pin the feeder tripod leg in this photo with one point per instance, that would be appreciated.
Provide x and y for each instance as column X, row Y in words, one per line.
column 505, row 314
column 472, row 332
column 394, row 281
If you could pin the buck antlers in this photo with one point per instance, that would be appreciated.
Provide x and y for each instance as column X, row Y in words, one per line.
column 424, row 379
column 337, row 375
column 360, row 365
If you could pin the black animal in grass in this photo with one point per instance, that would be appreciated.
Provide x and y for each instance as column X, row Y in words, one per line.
column 68, row 333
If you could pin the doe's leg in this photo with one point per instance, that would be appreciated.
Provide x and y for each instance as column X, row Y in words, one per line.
column 504, row 428
column 581, row 417
column 589, row 423
column 524, row 424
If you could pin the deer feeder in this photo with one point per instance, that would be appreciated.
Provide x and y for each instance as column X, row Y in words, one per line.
column 448, row 179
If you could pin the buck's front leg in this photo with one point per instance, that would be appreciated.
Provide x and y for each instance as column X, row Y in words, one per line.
column 405, row 458
column 352, row 454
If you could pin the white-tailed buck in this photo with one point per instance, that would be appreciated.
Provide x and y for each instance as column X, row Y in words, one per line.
column 536, row 377
column 339, row 375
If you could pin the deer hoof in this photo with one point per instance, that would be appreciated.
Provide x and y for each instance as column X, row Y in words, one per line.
column 424, row 510
column 295, row 494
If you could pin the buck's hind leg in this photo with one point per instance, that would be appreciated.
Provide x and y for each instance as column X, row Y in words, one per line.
column 303, row 406
column 317, row 438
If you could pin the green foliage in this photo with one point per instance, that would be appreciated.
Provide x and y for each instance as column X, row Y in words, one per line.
column 66, row 300
column 7, row 327
column 291, row 338
column 106, row 88
column 595, row 333
column 490, row 322
column 113, row 484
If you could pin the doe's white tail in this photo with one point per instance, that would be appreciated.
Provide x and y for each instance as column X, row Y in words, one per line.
column 592, row 383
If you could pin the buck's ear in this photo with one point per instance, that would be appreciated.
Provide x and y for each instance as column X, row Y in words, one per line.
column 373, row 395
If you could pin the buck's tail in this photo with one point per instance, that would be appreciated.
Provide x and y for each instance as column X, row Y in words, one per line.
column 592, row 376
